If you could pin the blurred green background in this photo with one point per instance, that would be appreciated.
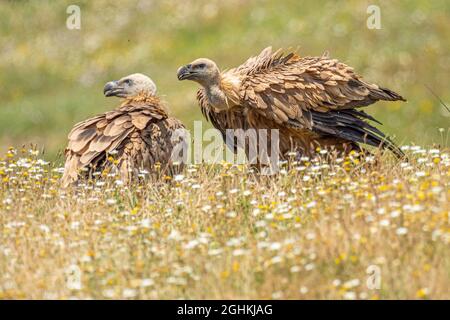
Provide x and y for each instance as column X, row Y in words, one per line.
column 52, row 77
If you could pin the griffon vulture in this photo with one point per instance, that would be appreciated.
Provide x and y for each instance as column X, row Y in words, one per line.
column 312, row 101
column 134, row 137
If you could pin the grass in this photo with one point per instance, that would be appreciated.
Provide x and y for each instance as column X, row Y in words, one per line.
column 223, row 232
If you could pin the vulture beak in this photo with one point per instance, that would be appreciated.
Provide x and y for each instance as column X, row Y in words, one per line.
column 185, row 72
column 112, row 89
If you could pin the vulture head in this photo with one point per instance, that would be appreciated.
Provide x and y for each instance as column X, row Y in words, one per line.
column 203, row 71
column 130, row 86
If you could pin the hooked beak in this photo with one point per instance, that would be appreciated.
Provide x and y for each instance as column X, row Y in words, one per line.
column 112, row 88
column 185, row 72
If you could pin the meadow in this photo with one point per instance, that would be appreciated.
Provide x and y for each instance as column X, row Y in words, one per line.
column 345, row 229
column 350, row 228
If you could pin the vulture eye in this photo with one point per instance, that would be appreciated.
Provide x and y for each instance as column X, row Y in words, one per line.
column 200, row 66
column 128, row 81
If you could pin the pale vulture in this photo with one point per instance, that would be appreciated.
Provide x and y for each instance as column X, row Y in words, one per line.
column 312, row 101
column 129, row 140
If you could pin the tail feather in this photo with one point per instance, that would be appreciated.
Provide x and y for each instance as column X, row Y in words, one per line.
column 349, row 125
column 385, row 94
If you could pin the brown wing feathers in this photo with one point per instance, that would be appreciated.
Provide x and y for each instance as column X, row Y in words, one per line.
column 313, row 82
column 316, row 93
column 125, row 132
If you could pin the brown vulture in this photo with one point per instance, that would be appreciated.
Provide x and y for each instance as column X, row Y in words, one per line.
column 131, row 139
column 312, row 101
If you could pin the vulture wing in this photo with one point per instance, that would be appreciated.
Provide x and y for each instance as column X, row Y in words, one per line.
column 314, row 93
column 127, row 131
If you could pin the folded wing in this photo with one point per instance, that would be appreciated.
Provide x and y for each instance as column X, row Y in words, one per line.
column 137, row 134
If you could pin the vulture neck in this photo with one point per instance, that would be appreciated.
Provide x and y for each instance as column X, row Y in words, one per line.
column 147, row 101
column 216, row 97
column 219, row 93
column 143, row 97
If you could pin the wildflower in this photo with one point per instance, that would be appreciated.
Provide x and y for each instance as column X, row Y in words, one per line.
column 269, row 216
column 206, row 208
column 277, row 295
column 73, row 274
column 311, row 204
column 146, row 223
column 310, row 236
column 191, row 244
column 174, row 235
column 179, row 178
column 303, row 290
column 111, row 201
column 421, row 174
column 422, row 293
column 74, row 225
column 351, row 283
column 363, row 295
column 147, row 282
column 215, row 252
column 239, row 252
column 231, row 214
column 276, row 260
column 108, row 293
column 349, row 295
column 395, row 213
column 336, row 282
column 41, row 162
column 44, row 228
column 260, row 224
column 177, row 281
column 275, row 246
column 287, row 216
column 129, row 293
column 295, row 269
column 59, row 170
column 309, row 266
